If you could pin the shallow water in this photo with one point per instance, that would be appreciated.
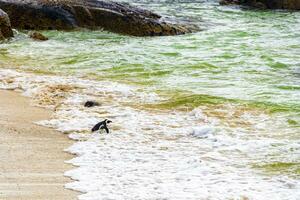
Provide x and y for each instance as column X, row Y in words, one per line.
column 208, row 115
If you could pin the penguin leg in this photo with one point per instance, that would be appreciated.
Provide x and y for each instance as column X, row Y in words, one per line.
column 106, row 129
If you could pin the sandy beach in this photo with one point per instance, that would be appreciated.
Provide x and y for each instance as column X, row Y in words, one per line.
column 32, row 157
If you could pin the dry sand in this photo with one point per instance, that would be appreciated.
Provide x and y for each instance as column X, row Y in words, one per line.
column 31, row 156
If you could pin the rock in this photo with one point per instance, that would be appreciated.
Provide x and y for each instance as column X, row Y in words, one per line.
column 91, row 104
column 229, row 2
column 266, row 4
column 37, row 36
column 259, row 5
column 71, row 14
column 5, row 27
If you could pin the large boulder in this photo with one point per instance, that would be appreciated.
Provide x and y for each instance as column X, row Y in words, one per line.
column 5, row 28
column 266, row 4
column 70, row 14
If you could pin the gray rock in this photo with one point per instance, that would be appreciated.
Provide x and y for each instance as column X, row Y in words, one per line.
column 266, row 4
column 5, row 27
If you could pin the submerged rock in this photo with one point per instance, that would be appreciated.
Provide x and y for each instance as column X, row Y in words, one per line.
column 91, row 104
column 37, row 36
column 5, row 27
column 70, row 14
column 266, row 4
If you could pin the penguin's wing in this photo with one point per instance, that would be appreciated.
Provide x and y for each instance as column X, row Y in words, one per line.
column 97, row 126
column 106, row 129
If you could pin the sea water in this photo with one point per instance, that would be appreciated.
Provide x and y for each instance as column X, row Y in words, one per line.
column 209, row 115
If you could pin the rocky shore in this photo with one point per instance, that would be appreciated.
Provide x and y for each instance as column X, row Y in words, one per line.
column 112, row 16
column 265, row 4
column 92, row 14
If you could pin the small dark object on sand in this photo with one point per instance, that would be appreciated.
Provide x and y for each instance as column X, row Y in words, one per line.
column 91, row 104
column 102, row 125
column 37, row 36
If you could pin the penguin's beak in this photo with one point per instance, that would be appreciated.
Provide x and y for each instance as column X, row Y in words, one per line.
column 108, row 121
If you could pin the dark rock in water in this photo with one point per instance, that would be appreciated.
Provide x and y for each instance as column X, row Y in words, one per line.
column 5, row 27
column 70, row 14
column 229, row 2
column 91, row 104
column 37, row 36
column 265, row 4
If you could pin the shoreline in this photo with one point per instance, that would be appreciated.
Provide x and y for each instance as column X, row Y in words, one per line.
column 33, row 160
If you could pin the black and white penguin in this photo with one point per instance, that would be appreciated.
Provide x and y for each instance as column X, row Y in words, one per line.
column 102, row 125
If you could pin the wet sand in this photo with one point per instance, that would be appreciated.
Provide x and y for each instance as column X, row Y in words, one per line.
column 31, row 156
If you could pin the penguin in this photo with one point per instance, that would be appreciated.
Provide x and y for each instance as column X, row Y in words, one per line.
column 102, row 125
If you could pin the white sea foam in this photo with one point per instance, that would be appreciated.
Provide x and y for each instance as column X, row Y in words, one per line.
column 158, row 154
column 202, row 132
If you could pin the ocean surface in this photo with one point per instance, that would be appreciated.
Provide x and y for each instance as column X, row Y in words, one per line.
column 208, row 115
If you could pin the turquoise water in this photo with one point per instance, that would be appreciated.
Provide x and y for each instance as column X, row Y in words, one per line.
column 243, row 61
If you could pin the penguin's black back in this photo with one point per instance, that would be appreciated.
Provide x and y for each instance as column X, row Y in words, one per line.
column 97, row 126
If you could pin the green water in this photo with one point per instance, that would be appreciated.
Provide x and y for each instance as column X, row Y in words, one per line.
column 280, row 167
column 241, row 57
